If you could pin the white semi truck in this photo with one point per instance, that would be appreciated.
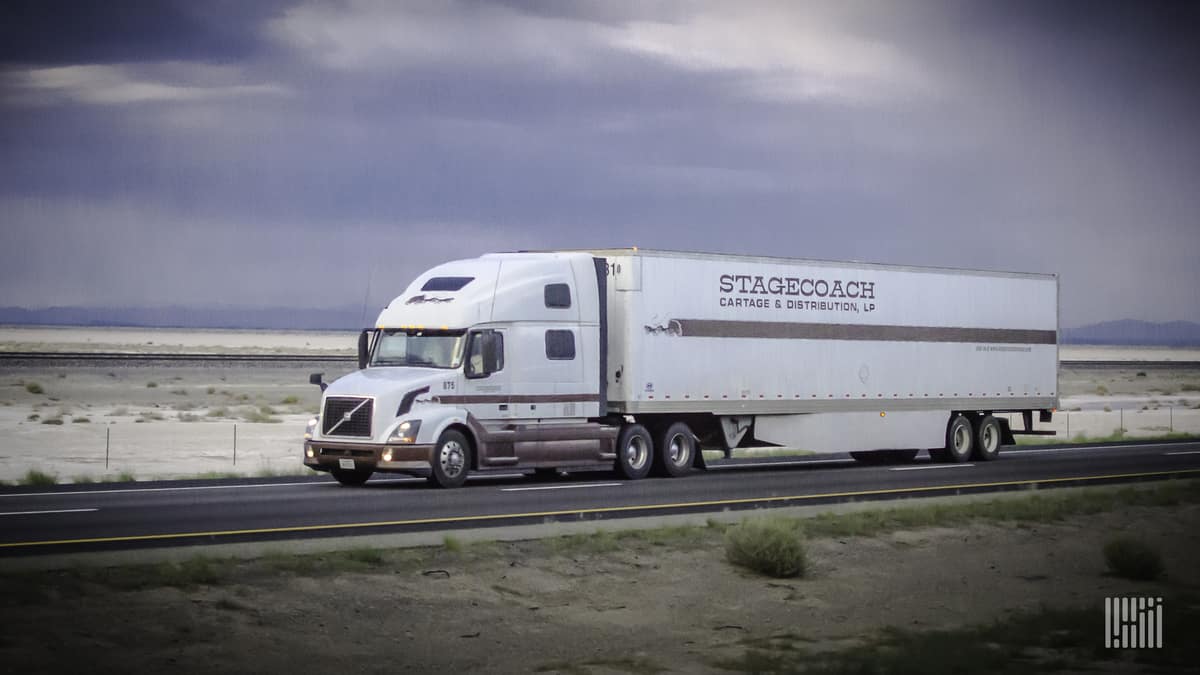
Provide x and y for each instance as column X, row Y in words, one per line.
column 636, row 358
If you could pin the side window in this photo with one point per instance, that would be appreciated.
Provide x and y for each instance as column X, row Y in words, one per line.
column 558, row 296
column 485, row 353
column 560, row 345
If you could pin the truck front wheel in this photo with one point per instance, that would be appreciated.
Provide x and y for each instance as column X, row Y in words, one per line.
column 451, row 460
column 634, row 450
column 676, row 450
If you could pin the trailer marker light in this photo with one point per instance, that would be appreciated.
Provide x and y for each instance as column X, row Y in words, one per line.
column 882, row 414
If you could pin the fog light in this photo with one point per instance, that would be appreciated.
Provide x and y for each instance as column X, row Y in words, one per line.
column 310, row 452
column 387, row 455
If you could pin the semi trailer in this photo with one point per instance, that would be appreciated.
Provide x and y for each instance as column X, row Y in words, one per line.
column 637, row 359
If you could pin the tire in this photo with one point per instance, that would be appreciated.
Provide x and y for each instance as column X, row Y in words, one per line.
column 355, row 477
column 676, row 450
column 451, row 460
column 635, row 452
column 988, row 437
column 960, row 439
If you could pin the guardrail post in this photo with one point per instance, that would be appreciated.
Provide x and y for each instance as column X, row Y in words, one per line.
column 107, row 443
column 235, row 443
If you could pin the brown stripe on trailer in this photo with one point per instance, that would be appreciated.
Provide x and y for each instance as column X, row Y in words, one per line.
column 843, row 331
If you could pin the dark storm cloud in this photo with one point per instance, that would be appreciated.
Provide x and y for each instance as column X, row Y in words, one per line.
column 61, row 32
column 369, row 140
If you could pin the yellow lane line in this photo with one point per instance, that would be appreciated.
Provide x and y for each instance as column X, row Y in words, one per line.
column 576, row 512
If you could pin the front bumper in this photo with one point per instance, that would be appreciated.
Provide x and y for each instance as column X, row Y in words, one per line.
column 329, row 455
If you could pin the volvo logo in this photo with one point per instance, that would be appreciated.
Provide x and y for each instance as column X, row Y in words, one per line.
column 347, row 416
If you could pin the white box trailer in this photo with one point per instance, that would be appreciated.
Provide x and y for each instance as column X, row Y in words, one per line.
column 637, row 358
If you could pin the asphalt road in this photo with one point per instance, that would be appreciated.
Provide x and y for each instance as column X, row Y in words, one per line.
column 123, row 516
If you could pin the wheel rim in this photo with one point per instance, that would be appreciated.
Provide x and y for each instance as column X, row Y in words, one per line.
column 989, row 438
column 962, row 438
column 452, row 458
column 636, row 453
column 678, row 449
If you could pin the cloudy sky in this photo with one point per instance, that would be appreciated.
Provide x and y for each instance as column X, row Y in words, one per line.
column 290, row 153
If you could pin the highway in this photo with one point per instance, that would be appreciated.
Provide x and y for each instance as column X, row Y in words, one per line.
column 133, row 515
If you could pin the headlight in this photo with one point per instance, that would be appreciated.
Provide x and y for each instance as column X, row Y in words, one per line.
column 406, row 432
column 311, row 428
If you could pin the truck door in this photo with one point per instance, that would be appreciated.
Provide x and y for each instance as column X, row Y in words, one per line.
column 488, row 383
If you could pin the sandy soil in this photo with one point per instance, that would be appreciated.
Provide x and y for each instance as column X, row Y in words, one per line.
column 641, row 609
column 114, row 422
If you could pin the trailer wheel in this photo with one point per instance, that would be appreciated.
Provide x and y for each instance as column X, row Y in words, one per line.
column 635, row 449
column 451, row 460
column 676, row 450
column 987, row 440
column 356, row 477
column 959, row 439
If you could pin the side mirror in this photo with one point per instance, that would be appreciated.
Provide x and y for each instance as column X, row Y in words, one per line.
column 315, row 378
column 364, row 351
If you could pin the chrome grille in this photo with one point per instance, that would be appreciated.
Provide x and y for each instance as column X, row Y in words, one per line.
column 347, row 416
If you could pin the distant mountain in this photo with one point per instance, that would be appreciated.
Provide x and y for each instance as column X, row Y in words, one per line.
column 272, row 318
column 1130, row 332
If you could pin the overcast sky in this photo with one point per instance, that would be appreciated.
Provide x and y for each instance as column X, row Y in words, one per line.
column 289, row 153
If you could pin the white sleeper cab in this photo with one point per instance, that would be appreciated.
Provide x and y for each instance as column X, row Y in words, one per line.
column 634, row 359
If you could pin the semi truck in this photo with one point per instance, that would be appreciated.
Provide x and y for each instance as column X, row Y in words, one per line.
column 637, row 359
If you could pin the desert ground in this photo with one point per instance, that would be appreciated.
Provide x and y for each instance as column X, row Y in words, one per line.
column 974, row 597
column 81, row 422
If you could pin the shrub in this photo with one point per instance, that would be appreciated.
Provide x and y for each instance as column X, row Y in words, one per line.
column 1131, row 558
column 290, row 400
column 35, row 477
column 53, row 420
column 151, row 384
column 80, row 420
column 210, row 391
column 770, row 546
column 34, row 388
column 179, row 392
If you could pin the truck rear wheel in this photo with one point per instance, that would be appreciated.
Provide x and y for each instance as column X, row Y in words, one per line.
column 960, row 439
column 676, row 450
column 355, row 477
column 987, row 440
column 634, row 451
column 451, row 460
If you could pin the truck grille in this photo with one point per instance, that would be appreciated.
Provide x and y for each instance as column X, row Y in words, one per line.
column 347, row 416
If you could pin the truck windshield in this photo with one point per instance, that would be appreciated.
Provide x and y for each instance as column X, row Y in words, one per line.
column 418, row 348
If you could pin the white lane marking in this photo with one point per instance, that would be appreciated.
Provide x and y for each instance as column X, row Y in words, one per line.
column 1187, row 452
column 163, row 489
column 933, row 466
column 561, row 487
column 232, row 487
column 38, row 513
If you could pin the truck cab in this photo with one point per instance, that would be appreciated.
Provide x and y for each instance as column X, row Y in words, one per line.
column 483, row 364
